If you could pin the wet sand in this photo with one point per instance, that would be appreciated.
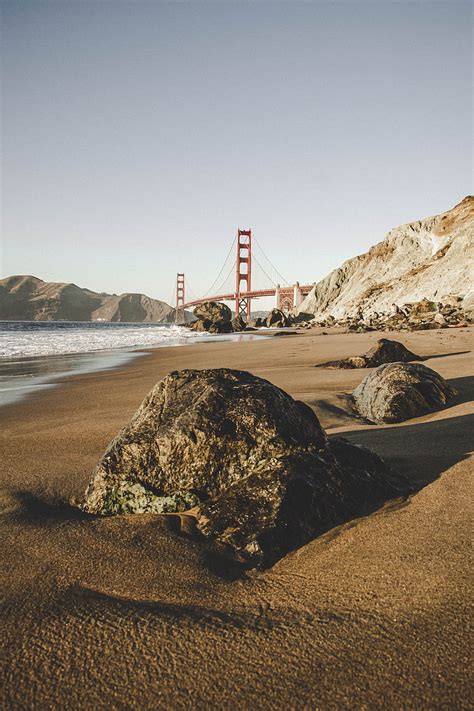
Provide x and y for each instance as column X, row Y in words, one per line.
column 126, row 613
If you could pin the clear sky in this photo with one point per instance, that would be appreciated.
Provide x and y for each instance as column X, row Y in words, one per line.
column 137, row 136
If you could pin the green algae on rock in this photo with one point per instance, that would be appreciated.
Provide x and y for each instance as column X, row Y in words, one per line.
column 127, row 498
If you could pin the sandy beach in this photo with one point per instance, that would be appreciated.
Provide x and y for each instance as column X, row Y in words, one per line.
column 129, row 613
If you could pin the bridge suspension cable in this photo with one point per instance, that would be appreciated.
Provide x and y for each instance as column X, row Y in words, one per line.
column 273, row 281
column 190, row 289
column 275, row 270
column 211, row 288
column 222, row 285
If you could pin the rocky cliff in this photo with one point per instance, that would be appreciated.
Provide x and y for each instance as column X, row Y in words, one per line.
column 431, row 258
column 31, row 299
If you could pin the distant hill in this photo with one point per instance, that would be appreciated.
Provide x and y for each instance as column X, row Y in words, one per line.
column 430, row 258
column 28, row 298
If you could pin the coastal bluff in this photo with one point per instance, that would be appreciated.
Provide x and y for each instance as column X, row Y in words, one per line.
column 430, row 259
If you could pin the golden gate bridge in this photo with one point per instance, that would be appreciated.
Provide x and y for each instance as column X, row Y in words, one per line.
column 246, row 279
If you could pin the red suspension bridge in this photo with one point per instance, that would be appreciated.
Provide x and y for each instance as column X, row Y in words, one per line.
column 247, row 278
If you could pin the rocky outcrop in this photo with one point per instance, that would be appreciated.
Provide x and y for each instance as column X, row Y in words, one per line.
column 430, row 259
column 399, row 391
column 384, row 351
column 213, row 311
column 452, row 312
column 277, row 319
column 255, row 465
column 239, row 324
column 31, row 299
column 213, row 317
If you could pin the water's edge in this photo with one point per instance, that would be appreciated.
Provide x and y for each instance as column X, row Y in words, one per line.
column 20, row 376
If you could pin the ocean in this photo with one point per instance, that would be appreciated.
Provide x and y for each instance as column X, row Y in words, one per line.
column 20, row 339
column 36, row 354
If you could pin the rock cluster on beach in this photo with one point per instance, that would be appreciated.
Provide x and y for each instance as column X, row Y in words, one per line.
column 274, row 319
column 418, row 316
column 254, row 465
column 216, row 317
column 452, row 312
column 384, row 351
column 395, row 392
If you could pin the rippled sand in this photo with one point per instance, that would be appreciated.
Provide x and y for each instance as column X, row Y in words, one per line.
column 128, row 613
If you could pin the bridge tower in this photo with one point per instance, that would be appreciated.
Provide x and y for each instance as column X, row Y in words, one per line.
column 179, row 311
column 243, row 273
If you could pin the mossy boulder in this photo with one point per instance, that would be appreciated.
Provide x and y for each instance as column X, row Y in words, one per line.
column 254, row 464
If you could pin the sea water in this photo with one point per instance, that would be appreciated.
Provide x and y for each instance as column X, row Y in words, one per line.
column 20, row 339
column 35, row 354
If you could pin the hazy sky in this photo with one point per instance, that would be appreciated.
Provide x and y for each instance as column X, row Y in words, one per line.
column 137, row 136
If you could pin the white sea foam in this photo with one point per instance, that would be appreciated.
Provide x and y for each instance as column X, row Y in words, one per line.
column 26, row 339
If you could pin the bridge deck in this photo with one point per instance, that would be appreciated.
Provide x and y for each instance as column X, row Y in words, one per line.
column 305, row 289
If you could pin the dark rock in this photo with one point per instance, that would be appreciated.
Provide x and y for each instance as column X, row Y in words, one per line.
column 345, row 363
column 277, row 319
column 212, row 317
column 388, row 351
column 204, row 325
column 395, row 392
column 200, row 325
column 303, row 318
column 255, row 465
column 384, row 351
column 213, row 311
column 221, row 327
column 238, row 324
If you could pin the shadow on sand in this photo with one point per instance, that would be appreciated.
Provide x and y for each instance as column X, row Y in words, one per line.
column 419, row 451
column 422, row 451
column 444, row 355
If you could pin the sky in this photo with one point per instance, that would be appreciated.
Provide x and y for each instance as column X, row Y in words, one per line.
column 138, row 136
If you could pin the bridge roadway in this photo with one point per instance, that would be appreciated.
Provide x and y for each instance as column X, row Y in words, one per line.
column 232, row 297
column 284, row 295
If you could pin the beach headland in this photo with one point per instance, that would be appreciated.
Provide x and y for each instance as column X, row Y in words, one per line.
column 126, row 612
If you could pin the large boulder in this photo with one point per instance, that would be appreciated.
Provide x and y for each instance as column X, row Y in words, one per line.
column 277, row 319
column 384, row 351
column 213, row 311
column 399, row 391
column 213, row 317
column 254, row 465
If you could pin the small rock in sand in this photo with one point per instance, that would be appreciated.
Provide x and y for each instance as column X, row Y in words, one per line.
column 384, row 351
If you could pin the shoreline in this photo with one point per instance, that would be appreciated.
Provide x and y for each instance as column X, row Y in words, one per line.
column 25, row 375
column 91, row 602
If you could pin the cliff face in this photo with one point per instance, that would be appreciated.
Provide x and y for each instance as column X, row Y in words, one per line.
column 31, row 299
column 431, row 258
